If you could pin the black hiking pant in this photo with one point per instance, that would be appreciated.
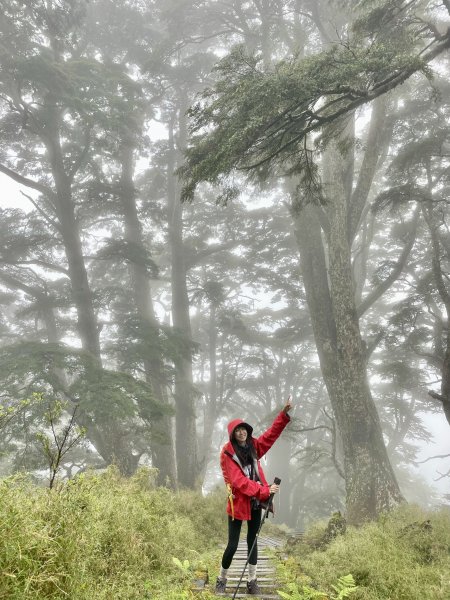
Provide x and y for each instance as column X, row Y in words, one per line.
column 234, row 530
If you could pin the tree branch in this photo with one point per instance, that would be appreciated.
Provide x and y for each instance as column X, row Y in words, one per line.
column 35, row 185
column 436, row 261
column 377, row 137
column 82, row 156
column 43, row 214
column 373, row 296
column 443, row 475
column 391, row 82
column 420, row 462
column 41, row 263
column 14, row 283
column 212, row 249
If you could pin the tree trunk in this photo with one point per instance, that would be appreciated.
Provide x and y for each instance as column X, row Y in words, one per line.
column 185, row 393
column 68, row 225
column 161, row 451
column 87, row 321
column 370, row 481
column 439, row 278
column 104, row 436
column 371, row 486
column 210, row 408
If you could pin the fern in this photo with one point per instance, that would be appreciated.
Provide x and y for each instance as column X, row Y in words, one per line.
column 183, row 566
column 305, row 593
column 344, row 587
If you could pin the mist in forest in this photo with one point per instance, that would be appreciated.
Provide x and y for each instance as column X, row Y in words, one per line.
column 207, row 207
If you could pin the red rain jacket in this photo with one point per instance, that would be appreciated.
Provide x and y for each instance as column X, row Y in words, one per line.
column 244, row 488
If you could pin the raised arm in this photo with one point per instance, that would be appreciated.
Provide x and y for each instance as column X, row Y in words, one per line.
column 265, row 441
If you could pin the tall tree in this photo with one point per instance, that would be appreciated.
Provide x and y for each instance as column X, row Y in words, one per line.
column 265, row 131
column 59, row 106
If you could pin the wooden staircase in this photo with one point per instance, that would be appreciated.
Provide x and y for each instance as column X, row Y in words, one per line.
column 266, row 572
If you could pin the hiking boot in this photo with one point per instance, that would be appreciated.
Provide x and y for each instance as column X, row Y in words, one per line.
column 253, row 587
column 221, row 584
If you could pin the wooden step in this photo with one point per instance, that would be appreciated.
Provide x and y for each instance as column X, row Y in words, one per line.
column 263, row 579
column 266, row 572
column 235, row 569
column 243, row 584
column 261, row 596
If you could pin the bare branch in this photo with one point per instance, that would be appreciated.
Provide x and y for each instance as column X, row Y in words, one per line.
column 47, row 218
column 212, row 249
column 443, row 475
column 436, row 396
column 41, row 263
column 376, row 293
column 30, row 183
column 420, row 462
column 336, row 463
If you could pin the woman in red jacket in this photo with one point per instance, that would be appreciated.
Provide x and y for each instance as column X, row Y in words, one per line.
column 248, row 489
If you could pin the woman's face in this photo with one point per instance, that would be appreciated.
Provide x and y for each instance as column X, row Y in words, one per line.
column 240, row 435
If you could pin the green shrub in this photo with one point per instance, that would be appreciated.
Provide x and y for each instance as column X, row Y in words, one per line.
column 102, row 537
column 404, row 556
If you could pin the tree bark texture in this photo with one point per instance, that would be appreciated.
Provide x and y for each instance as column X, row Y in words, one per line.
column 210, row 409
column 87, row 321
column 162, row 447
column 104, row 436
column 439, row 277
column 185, row 393
column 371, row 485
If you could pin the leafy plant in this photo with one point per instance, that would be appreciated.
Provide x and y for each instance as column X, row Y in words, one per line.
column 305, row 593
column 56, row 444
column 8, row 413
column 184, row 566
column 345, row 587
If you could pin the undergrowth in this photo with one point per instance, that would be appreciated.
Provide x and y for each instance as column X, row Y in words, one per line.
column 403, row 556
column 103, row 537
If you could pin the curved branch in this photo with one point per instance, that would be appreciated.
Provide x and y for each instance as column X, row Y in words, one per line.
column 373, row 296
column 377, row 137
column 314, row 121
column 43, row 214
column 41, row 263
column 30, row 183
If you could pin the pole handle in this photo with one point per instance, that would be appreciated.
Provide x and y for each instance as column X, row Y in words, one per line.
column 276, row 481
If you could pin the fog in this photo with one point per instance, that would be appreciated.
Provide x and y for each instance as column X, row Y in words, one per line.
column 208, row 207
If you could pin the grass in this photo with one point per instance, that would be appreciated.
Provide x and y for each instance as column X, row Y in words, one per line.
column 101, row 536
column 403, row 556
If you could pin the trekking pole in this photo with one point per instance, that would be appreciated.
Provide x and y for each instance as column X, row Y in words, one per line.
column 266, row 512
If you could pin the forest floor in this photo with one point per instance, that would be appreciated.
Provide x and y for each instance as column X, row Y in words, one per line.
column 105, row 537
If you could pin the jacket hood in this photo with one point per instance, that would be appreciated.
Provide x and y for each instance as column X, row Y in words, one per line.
column 235, row 423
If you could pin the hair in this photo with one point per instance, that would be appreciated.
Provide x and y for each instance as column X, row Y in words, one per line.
column 244, row 453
